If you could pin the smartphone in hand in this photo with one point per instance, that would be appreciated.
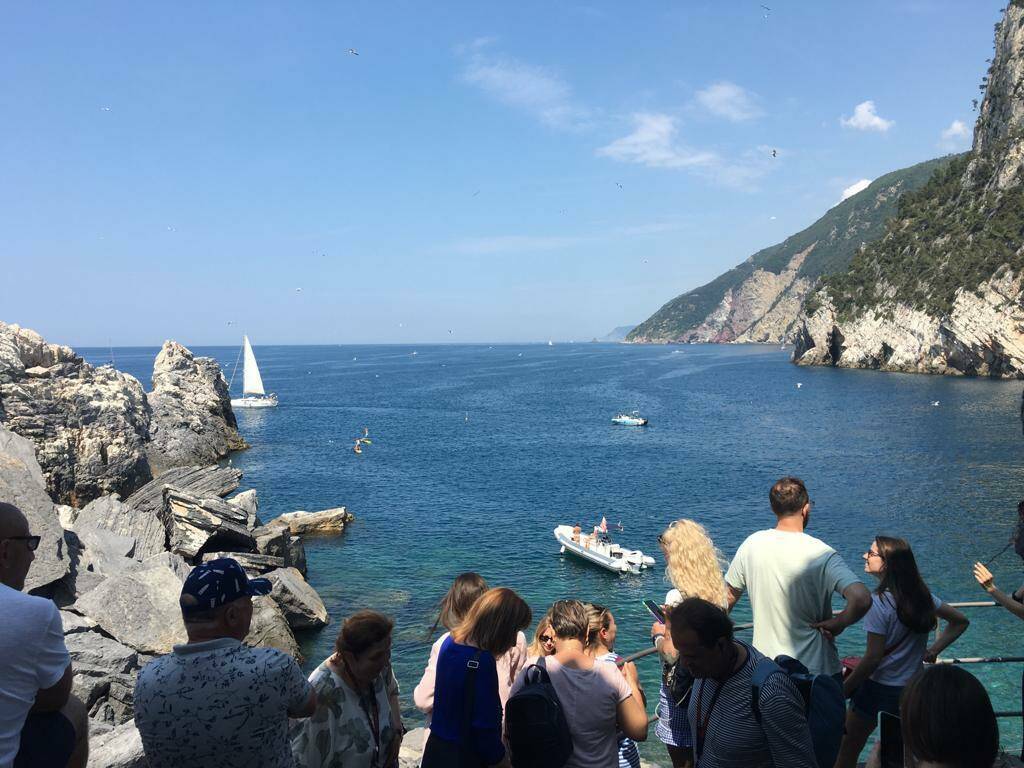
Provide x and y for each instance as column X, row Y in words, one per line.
column 655, row 610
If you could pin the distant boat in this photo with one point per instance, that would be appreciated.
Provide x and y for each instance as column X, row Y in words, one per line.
column 253, row 394
column 551, row 343
column 633, row 419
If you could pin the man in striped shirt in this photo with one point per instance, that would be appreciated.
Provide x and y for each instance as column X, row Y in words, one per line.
column 725, row 730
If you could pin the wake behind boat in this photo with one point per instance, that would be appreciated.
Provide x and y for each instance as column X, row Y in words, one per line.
column 599, row 549
column 253, row 394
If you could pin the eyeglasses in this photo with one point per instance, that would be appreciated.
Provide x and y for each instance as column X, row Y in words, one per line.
column 547, row 638
column 872, row 553
column 31, row 542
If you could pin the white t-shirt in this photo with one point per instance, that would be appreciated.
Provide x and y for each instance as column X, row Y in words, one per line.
column 790, row 577
column 900, row 665
column 32, row 657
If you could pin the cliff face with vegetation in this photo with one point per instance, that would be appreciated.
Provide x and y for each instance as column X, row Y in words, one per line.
column 943, row 290
column 760, row 299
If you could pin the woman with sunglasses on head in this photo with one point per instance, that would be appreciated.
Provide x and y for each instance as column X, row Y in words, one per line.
column 454, row 607
column 693, row 565
column 543, row 641
column 601, row 645
column 903, row 611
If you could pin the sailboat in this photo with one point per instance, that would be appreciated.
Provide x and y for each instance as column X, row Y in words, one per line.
column 253, row 394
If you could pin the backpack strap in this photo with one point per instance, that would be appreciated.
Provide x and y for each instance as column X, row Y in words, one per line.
column 540, row 676
column 469, row 695
column 762, row 671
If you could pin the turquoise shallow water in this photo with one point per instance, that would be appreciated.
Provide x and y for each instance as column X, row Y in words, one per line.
column 478, row 452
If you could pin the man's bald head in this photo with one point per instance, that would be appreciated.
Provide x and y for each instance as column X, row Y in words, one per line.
column 16, row 556
column 12, row 521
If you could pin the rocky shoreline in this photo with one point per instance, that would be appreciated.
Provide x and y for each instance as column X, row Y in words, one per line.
column 122, row 488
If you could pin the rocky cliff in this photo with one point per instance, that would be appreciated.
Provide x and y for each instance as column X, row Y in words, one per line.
column 943, row 290
column 94, row 429
column 760, row 299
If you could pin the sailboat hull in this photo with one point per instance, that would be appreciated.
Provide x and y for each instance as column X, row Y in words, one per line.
column 254, row 402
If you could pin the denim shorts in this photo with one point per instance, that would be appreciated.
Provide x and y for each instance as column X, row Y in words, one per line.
column 871, row 698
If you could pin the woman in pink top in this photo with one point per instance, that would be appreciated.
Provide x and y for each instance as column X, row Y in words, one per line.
column 597, row 699
column 453, row 608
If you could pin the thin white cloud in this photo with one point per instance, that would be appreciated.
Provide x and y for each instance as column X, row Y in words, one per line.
column 653, row 144
column 865, row 118
column 853, row 189
column 533, row 89
column 957, row 136
column 486, row 246
column 728, row 100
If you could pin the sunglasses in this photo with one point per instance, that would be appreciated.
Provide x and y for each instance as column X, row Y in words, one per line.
column 31, row 542
column 547, row 638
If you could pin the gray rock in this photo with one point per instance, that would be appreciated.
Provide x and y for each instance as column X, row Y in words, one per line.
column 118, row 705
column 192, row 421
column 105, row 552
column 22, row 484
column 89, row 425
column 118, row 748
column 95, row 658
column 175, row 563
column 272, row 540
column 74, row 623
column 254, row 565
column 296, row 554
column 247, row 500
column 110, row 513
column 203, row 482
column 270, row 628
column 327, row 522
column 194, row 524
column 66, row 515
column 301, row 605
column 139, row 608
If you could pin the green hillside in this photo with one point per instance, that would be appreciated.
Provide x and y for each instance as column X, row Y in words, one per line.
column 838, row 234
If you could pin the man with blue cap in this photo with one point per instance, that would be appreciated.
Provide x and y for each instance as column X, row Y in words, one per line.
column 214, row 701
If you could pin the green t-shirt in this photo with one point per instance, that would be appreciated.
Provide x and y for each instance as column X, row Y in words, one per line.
column 790, row 578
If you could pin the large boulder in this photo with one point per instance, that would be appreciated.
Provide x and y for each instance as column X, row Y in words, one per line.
column 95, row 659
column 111, row 514
column 270, row 628
column 248, row 501
column 253, row 565
column 195, row 524
column 22, row 484
column 89, row 425
column 118, row 748
column 192, row 421
column 300, row 603
column 139, row 608
column 272, row 540
column 203, row 482
column 328, row 522
column 296, row 554
column 105, row 552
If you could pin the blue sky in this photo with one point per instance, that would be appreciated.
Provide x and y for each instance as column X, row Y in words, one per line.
column 478, row 172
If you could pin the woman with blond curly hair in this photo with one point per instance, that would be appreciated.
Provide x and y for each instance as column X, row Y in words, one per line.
column 694, row 567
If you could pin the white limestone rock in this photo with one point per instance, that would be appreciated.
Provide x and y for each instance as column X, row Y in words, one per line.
column 327, row 522
column 194, row 524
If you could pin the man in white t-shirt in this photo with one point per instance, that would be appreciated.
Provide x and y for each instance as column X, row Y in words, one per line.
column 41, row 724
column 790, row 578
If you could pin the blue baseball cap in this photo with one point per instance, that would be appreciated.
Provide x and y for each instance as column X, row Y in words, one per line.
column 217, row 583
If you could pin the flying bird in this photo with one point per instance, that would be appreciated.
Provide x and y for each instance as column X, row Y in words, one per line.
column 775, row 153
column 231, row 322
column 298, row 290
column 104, row 109
column 476, row 193
column 617, row 184
column 353, row 51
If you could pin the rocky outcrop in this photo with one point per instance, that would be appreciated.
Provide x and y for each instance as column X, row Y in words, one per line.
column 195, row 524
column 21, row 484
column 95, row 430
column 203, row 482
column 301, row 605
column 942, row 292
column 327, row 522
column 118, row 748
column 760, row 299
column 192, row 421
column 142, row 525
column 270, row 627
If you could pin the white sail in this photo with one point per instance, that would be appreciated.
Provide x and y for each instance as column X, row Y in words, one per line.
column 252, row 383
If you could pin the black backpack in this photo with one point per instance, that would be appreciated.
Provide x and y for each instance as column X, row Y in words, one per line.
column 538, row 733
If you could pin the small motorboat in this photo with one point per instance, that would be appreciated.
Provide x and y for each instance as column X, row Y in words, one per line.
column 599, row 549
column 633, row 419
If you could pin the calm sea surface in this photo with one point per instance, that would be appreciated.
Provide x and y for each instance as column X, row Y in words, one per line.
column 478, row 452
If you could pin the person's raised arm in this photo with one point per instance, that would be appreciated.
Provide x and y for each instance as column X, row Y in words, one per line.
column 630, row 713
column 956, row 625
column 984, row 578
column 858, row 601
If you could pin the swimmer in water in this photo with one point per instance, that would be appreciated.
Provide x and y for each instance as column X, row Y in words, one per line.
column 357, row 448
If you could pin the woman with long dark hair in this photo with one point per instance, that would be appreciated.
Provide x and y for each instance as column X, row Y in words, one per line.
column 903, row 611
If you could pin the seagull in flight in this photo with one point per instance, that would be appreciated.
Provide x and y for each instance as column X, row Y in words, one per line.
column 352, row 51
column 298, row 290
column 104, row 109
column 775, row 153
column 617, row 184
column 476, row 193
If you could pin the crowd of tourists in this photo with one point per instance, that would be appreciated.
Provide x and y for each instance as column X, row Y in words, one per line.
column 566, row 699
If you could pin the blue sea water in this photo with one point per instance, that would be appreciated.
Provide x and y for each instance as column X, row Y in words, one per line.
column 478, row 452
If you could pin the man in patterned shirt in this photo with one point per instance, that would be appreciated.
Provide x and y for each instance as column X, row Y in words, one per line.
column 725, row 730
column 215, row 701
